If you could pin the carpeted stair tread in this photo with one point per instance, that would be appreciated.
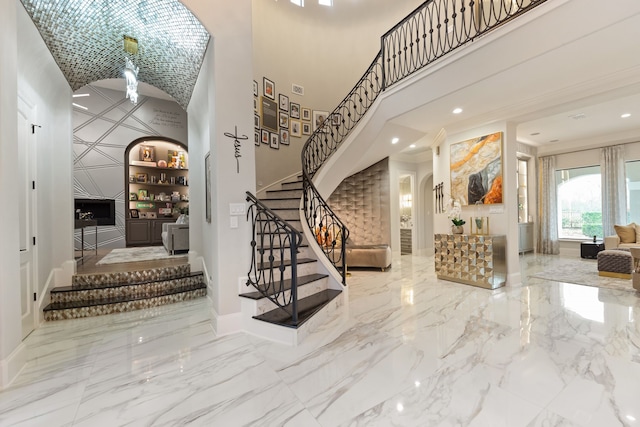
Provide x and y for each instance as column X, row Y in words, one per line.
column 307, row 307
column 286, row 285
column 106, row 301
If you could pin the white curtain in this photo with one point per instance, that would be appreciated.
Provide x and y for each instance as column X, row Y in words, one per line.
column 548, row 208
column 614, row 188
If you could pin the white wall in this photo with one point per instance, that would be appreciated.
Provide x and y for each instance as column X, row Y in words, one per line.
column 324, row 49
column 226, row 80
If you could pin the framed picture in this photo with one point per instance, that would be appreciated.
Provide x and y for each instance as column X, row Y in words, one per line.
column 255, row 104
column 274, row 140
column 152, row 215
column 256, row 138
column 142, row 177
column 265, row 136
column 284, row 136
column 207, row 186
column 268, row 88
column 476, row 170
column 294, row 110
column 133, row 213
column 255, row 88
column 143, row 194
column 284, row 120
column 319, row 119
column 133, row 196
column 336, row 119
column 269, row 114
column 283, row 100
column 147, row 153
column 306, row 114
column 306, row 128
column 256, row 121
column 295, row 127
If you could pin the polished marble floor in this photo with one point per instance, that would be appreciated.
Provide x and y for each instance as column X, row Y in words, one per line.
column 409, row 350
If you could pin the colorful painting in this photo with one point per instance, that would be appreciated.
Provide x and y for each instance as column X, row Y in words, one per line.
column 476, row 170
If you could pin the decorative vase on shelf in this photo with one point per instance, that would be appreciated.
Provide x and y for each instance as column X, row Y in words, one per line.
column 457, row 229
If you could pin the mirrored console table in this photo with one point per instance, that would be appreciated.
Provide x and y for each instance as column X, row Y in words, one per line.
column 478, row 260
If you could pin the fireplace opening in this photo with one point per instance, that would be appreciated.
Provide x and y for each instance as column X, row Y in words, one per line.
column 102, row 210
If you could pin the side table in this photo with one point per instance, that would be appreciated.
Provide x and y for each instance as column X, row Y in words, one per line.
column 81, row 224
column 590, row 249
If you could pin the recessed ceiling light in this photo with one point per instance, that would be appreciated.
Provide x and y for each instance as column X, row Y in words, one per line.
column 625, row 115
column 554, row 140
column 80, row 95
column 535, row 133
column 82, row 107
column 578, row 116
column 412, row 146
column 395, row 140
column 457, row 110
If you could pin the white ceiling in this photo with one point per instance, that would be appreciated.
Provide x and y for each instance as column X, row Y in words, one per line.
column 565, row 88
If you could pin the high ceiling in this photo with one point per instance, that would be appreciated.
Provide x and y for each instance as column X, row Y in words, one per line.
column 86, row 39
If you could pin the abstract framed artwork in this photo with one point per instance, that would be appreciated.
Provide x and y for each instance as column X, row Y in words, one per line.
column 476, row 170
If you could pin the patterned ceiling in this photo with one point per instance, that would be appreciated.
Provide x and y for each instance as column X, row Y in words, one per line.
column 86, row 38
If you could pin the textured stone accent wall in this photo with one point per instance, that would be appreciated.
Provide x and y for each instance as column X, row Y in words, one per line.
column 362, row 201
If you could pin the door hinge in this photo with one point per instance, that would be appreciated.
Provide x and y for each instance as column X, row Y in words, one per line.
column 35, row 297
column 34, row 240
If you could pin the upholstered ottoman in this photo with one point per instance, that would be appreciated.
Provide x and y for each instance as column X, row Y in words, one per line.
column 615, row 263
column 378, row 256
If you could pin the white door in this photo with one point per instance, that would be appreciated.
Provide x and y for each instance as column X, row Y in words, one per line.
column 26, row 159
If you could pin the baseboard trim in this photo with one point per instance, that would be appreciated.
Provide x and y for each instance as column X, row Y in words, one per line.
column 514, row 279
column 226, row 324
column 12, row 366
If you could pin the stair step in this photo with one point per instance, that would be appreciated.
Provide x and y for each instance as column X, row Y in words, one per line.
column 307, row 307
column 286, row 263
column 291, row 185
column 284, row 193
column 95, row 280
column 303, row 280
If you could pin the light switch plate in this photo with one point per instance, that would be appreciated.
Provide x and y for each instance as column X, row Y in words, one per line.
column 233, row 221
column 236, row 208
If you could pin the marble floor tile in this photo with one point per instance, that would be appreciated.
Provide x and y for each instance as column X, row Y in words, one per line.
column 408, row 350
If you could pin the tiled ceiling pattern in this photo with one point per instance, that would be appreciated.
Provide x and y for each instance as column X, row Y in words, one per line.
column 86, row 38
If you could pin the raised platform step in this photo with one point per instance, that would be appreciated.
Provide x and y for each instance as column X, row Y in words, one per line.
column 307, row 307
column 286, row 285
column 99, row 294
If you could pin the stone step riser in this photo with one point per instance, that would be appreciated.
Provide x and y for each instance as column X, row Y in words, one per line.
column 130, row 292
column 120, row 307
column 297, row 185
column 303, row 270
column 284, row 194
column 92, row 281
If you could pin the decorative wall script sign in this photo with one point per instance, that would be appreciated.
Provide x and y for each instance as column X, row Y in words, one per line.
column 236, row 144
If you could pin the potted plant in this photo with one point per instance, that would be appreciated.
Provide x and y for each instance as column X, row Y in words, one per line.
column 454, row 212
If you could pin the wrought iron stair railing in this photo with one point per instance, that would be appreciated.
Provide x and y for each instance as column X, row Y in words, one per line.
column 272, row 240
column 431, row 31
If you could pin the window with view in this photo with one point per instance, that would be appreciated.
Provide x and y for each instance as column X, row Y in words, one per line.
column 579, row 203
column 633, row 191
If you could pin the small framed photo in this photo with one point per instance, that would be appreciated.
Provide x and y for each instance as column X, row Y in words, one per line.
column 294, row 110
column 336, row 119
column 147, row 153
column 133, row 213
column 269, row 88
column 143, row 215
column 256, row 138
column 255, row 88
column 256, row 121
column 265, row 136
column 133, row 196
column 319, row 119
column 284, row 136
column 306, row 114
column 283, row 101
column 142, row 177
column 255, row 104
column 284, row 120
column 295, row 127
column 143, row 194
column 152, row 215
column 306, row 128
column 274, row 140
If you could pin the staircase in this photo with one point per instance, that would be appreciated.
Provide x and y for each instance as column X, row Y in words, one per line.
column 268, row 305
column 107, row 293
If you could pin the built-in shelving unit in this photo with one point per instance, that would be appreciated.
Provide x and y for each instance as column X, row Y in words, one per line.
column 157, row 187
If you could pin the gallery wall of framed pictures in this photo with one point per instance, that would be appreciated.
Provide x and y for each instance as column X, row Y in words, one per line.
column 278, row 120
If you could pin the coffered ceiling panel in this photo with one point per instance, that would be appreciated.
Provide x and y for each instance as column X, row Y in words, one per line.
column 86, row 38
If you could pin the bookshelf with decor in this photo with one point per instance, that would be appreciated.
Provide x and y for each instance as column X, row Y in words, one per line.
column 157, row 188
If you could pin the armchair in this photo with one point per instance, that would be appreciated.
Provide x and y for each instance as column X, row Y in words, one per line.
column 175, row 237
